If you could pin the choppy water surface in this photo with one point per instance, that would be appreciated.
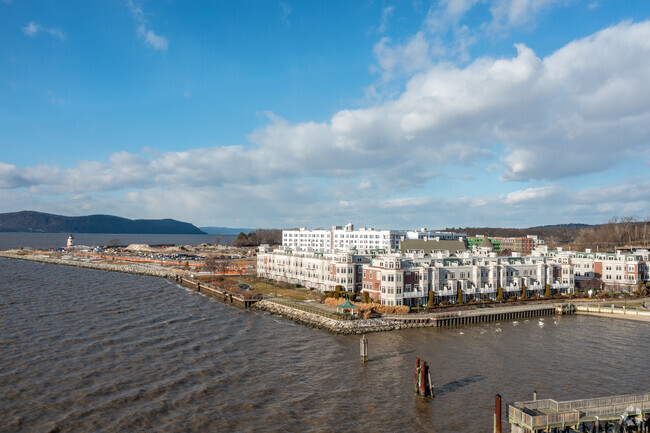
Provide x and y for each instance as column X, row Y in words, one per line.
column 85, row 350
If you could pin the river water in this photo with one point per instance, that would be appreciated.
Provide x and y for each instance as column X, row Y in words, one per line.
column 85, row 350
column 59, row 240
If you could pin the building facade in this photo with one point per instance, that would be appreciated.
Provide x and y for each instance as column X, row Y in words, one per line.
column 517, row 245
column 398, row 280
column 340, row 238
column 312, row 269
column 620, row 271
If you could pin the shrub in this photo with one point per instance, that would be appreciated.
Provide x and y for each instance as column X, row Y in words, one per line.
column 430, row 301
column 500, row 294
column 366, row 297
column 459, row 298
column 547, row 291
column 524, row 296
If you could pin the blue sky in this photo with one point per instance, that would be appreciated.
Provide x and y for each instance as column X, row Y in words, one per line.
column 400, row 114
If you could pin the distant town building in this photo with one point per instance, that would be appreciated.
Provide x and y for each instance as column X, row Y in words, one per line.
column 517, row 245
column 474, row 241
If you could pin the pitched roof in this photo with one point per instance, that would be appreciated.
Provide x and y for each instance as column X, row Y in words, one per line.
column 485, row 243
column 347, row 305
column 429, row 245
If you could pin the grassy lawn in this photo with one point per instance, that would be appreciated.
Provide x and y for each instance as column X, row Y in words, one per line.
column 268, row 289
column 265, row 288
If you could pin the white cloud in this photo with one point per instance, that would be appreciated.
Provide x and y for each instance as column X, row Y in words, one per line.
column 57, row 33
column 517, row 13
column 32, row 30
column 531, row 194
column 579, row 110
column 155, row 41
column 403, row 59
column 144, row 31
column 386, row 15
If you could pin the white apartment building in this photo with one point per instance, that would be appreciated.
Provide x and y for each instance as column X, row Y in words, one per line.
column 428, row 234
column 340, row 238
column 312, row 269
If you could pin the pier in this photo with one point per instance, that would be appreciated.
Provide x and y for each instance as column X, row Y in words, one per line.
column 483, row 315
column 238, row 299
column 622, row 413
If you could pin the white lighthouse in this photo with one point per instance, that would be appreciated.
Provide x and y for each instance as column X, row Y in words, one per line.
column 70, row 241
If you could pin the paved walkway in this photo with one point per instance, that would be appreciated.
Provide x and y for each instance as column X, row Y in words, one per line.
column 617, row 316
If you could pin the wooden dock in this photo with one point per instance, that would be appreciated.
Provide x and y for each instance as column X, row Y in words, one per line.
column 595, row 413
column 489, row 314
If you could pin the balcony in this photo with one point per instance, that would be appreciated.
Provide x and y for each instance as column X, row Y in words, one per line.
column 415, row 294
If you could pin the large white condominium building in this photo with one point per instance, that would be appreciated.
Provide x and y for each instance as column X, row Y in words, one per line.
column 312, row 269
column 340, row 238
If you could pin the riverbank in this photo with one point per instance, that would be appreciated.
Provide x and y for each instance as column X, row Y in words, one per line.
column 312, row 320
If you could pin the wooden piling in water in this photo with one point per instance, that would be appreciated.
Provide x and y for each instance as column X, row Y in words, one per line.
column 364, row 348
column 497, row 413
column 423, row 377
column 416, row 388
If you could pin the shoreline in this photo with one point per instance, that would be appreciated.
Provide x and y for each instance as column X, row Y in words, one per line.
column 343, row 327
column 134, row 269
column 312, row 320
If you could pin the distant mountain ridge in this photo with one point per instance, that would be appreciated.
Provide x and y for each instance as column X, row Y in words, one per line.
column 224, row 230
column 32, row 221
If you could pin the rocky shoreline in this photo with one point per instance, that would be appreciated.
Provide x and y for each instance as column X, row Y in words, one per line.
column 346, row 327
column 125, row 269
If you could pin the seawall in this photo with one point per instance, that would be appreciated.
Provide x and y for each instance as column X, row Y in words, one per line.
column 615, row 312
column 122, row 268
column 359, row 326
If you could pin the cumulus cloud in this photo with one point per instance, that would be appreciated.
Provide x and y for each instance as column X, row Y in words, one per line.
column 577, row 111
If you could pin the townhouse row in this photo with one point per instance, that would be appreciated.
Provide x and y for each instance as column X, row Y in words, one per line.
column 619, row 271
column 396, row 279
